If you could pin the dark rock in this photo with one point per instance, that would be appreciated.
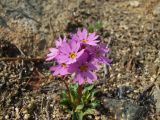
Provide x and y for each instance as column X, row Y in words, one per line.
column 124, row 109
column 3, row 22
column 8, row 49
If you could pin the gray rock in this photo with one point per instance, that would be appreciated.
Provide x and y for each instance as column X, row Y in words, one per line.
column 156, row 94
column 124, row 109
column 156, row 10
column 3, row 23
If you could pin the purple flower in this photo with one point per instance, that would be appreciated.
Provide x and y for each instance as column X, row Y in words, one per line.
column 61, row 69
column 83, row 71
column 84, row 37
column 69, row 52
column 81, row 56
column 60, row 41
column 98, row 54
column 55, row 51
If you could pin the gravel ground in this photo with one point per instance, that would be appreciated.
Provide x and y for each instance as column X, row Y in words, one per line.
column 131, row 28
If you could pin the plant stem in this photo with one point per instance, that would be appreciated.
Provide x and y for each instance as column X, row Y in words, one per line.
column 79, row 91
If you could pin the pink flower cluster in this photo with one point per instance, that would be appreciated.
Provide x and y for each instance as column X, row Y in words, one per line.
column 81, row 56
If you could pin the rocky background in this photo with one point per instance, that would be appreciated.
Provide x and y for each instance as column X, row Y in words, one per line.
column 128, row 90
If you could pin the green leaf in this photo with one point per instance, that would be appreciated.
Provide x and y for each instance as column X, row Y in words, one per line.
column 85, row 97
column 64, row 98
column 98, row 25
column 90, row 28
column 73, row 93
column 79, row 108
column 73, row 88
column 64, row 102
column 95, row 26
column 95, row 104
column 88, row 88
column 69, row 111
column 89, row 111
column 93, row 93
column 63, row 94
column 88, row 96
column 77, row 116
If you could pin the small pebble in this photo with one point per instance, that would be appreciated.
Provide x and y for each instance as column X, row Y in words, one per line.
column 134, row 3
column 6, row 117
column 26, row 116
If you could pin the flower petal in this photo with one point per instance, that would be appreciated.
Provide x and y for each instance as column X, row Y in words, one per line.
column 65, row 48
column 90, row 77
column 75, row 46
column 84, row 33
column 53, row 50
column 80, row 53
column 63, row 71
column 92, row 66
column 73, row 67
column 79, row 78
column 61, row 58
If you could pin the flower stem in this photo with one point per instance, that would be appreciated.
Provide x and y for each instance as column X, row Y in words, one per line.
column 69, row 94
column 79, row 91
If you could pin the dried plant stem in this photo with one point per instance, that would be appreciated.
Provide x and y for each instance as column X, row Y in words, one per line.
column 20, row 58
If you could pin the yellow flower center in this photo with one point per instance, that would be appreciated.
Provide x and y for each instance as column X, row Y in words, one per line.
column 72, row 55
column 83, row 68
column 63, row 65
column 84, row 41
